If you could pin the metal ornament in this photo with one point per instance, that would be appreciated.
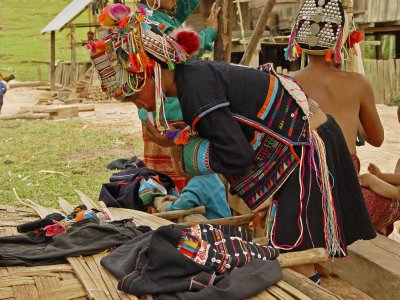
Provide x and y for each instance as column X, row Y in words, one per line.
column 315, row 29
column 317, row 18
column 321, row 2
column 312, row 40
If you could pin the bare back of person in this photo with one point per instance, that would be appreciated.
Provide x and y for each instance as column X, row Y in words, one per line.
column 346, row 96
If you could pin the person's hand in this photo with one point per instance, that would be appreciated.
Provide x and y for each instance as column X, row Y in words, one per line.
column 374, row 170
column 157, row 137
column 161, row 202
column 177, row 162
column 212, row 20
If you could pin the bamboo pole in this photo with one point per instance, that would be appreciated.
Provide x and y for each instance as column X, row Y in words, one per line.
column 257, row 33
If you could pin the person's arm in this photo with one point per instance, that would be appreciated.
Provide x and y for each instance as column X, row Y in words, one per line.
column 391, row 178
column 187, row 200
column 224, row 148
column 207, row 38
column 209, row 34
column 184, row 8
column 372, row 127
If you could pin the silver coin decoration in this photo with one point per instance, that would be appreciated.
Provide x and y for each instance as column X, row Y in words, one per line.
column 312, row 41
column 317, row 18
column 321, row 2
column 314, row 29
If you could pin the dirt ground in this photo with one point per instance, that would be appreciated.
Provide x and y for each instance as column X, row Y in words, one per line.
column 123, row 117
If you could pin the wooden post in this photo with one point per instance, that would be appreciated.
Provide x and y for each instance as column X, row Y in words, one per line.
column 222, row 46
column 397, row 44
column 257, row 33
column 52, row 60
column 73, row 56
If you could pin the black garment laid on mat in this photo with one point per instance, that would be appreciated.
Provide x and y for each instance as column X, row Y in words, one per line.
column 352, row 214
column 152, row 264
column 123, row 189
column 85, row 237
column 124, row 164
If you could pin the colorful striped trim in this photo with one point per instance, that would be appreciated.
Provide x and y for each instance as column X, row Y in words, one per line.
column 196, row 157
column 269, row 100
column 207, row 111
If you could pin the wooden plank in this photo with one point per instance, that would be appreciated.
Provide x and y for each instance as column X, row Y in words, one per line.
column 380, row 87
column 111, row 281
column 278, row 293
column 7, row 292
column 70, row 289
column 386, row 79
column 52, row 270
column 15, row 280
column 378, row 261
column 264, row 295
column 236, row 220
column 87, row 278
column 43, row 283
column 96, row 275
column 291, row 290
column 86, row 200
column 64, row 113
column 54, row 108
column 392, row 78
column 310, row 256
column 237, row 204
column 306, row 286
column 65, row 206
column 175, row 214
column 141, row 218
column 105, row 209
column 397, row 76
column 24, row 292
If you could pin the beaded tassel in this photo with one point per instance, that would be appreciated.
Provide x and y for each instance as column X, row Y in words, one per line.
column 333, row 242
column 291, row 51
column 338, row 47
column 159, row 100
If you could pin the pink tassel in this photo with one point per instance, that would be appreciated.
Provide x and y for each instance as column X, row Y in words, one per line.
column 338, row 47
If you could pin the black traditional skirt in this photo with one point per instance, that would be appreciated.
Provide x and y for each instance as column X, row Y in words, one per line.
column 299, row 225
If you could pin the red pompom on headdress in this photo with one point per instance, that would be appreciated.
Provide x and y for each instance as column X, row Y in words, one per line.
column 188, row 39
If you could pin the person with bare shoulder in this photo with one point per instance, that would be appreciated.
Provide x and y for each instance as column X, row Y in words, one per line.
column 320, row 32
column 347, row 96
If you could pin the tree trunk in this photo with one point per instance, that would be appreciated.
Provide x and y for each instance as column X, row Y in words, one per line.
column 222, row 46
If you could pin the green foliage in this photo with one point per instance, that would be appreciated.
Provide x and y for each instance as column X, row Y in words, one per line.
column 21, row 41
column 387, row 43
column 79, row 154
column 395, row 100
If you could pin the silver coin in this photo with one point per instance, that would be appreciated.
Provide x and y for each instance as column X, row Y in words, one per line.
column 321, row 2
column 319, row 10
column 317, row 18
column 312, row 41
column 314, row 29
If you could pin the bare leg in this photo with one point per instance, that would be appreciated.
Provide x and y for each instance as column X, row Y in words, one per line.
column 306, row 270
column 379, row 186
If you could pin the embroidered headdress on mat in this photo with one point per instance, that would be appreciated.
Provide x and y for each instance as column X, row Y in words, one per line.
column 321, row 28
column 133, row 48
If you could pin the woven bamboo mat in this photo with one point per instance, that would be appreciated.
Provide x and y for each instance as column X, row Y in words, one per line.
column 81, row 277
